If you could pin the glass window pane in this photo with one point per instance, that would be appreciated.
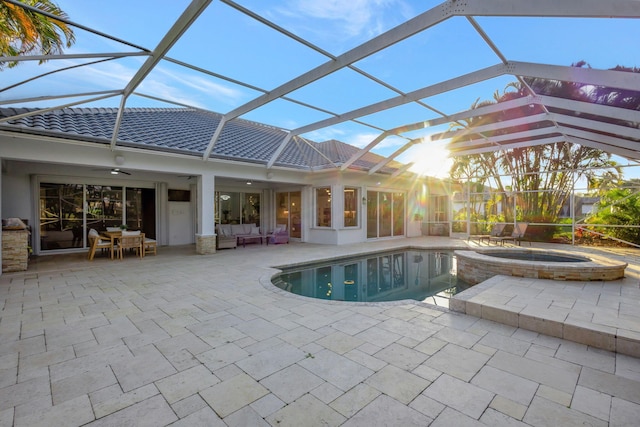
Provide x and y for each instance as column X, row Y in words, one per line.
column 289, row 212
column 216, row 207
column 398, row 214
column 229, row 207
column 104, row 206
column 251, row 209
column 61, row 216
column 385, row 214
column 134, row 209
column 323, row 207
column 350, row 207
column 296, row 214
column 282, row 208
column 372, row 214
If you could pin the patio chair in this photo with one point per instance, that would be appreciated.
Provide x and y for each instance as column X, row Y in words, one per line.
column 278, row 235
column 131, row 240
column 150, row 246
column 95, row 242
column 517, row 236
column 496, row 231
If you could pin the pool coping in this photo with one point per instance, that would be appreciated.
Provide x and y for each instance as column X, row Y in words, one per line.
column 486, row 300
column 477, row 265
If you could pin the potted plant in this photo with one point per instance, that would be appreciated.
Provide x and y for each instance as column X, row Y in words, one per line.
column 123, row 227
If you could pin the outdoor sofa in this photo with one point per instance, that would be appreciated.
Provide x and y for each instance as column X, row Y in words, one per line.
column 230, row 235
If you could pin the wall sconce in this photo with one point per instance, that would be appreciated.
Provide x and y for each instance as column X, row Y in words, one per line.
column 364, row 200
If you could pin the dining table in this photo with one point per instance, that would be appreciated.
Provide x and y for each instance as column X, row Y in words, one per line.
column 113, row 236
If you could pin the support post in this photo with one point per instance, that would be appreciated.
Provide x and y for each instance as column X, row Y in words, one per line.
column 205, row 234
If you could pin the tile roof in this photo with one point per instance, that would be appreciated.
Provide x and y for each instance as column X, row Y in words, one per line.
column 187, row 131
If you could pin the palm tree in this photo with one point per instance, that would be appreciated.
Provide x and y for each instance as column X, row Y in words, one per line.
column 536, row 167
column 24, row 31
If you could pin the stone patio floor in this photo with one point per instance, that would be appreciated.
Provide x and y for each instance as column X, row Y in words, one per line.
column 205, row 340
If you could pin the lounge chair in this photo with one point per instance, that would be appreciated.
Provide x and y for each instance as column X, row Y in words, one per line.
column 496, row 231
column 517, row 236
column 278, row 235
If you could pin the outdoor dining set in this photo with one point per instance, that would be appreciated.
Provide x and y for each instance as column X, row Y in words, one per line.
column 117, row 242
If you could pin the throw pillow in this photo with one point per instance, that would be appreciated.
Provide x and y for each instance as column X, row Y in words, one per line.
column 255, row 230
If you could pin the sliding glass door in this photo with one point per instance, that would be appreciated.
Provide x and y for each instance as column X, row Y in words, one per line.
column 289, row 212
column 69, row 211
column 385, row 214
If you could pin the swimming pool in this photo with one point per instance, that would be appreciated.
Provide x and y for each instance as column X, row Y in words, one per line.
column 388, row 276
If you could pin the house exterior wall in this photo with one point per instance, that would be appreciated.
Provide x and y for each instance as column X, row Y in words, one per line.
column 15, row 193
column 29, row 160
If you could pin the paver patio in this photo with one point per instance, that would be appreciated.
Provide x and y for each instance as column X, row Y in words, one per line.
column 185, row 339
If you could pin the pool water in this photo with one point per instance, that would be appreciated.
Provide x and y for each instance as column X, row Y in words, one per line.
column 389, row 276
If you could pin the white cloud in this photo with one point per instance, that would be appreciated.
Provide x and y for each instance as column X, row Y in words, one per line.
column 182, row 87
column 202, row 86
column 361, row 140
column 384, row 147
column 325, row 134
column 353, row 18
column 108, row 75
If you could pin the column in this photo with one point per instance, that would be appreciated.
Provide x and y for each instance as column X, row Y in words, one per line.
column 206, row 233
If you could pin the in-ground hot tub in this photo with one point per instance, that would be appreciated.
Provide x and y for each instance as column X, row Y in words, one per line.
column 478, row 266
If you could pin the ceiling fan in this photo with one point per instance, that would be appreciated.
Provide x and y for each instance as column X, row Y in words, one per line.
column 113, row 171
column 118, row 171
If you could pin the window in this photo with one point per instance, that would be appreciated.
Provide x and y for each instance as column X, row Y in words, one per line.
column 251, row 209
column 237, row 208
column 350, row 207
column 323, row 207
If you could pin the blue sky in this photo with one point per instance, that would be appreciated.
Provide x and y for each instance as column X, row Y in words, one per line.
column 232, row 44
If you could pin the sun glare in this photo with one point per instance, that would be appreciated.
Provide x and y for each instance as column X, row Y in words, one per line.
column 431, row 159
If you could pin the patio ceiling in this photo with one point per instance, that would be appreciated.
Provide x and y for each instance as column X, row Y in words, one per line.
column 424, row 117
